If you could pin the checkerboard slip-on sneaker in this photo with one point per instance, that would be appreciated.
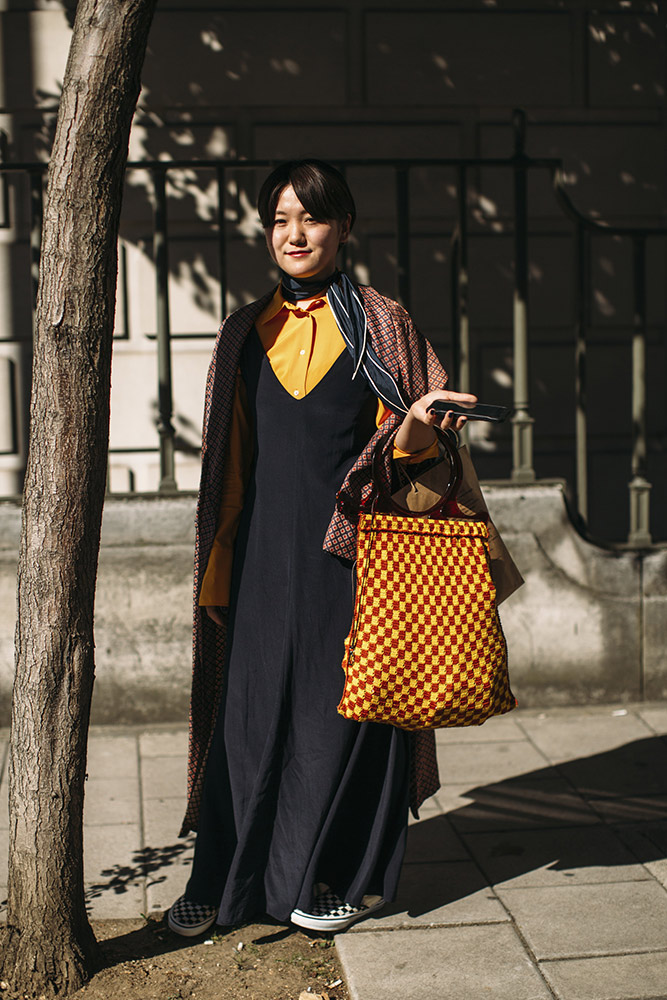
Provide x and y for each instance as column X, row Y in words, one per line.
column 330, row 913
column 190, row 919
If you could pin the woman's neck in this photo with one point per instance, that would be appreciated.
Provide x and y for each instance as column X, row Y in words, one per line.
column 305, row 289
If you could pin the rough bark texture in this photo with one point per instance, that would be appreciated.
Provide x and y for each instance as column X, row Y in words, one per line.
column 51, row 946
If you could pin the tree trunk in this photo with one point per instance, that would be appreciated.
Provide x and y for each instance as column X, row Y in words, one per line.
column 50, row 945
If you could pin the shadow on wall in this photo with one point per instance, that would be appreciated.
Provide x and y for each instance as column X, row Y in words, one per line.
column 210, row 102
column 187, row 111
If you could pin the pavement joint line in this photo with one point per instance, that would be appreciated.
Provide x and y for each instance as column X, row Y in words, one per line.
column 532, row 743
column 532, row 957
column 361, row 929
column 644, row 864
column 492, row 885
column 142, row 825
column 584, row 956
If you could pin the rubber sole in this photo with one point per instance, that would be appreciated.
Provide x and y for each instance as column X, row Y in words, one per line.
column 189, row 931
column 311, row 922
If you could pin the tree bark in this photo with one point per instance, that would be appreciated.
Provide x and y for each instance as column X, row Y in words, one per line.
column 50, row 946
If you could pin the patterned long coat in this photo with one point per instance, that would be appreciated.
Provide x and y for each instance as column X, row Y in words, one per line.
column 412, row 361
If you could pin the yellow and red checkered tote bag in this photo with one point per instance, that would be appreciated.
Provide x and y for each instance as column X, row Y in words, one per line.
column 426, row 648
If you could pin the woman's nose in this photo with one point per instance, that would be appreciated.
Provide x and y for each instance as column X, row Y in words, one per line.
column 296, row 235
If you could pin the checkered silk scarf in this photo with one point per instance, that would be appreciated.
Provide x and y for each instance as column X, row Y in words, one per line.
column 411, row 361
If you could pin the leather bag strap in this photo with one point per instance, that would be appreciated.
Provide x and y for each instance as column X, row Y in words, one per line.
column 381, row 498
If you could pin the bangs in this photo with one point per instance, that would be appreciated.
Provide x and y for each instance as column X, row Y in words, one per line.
column 321, row 189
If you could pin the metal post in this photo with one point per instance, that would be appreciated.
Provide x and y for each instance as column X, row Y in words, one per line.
column 5, row 221
column 160, row 258
column 403, row 235
column 639, row 486
column 462, row 288
column 222, row 242
column 582, row 298
column 454, row 264
column 462, row 292
column 522, row 438
column 345, row 258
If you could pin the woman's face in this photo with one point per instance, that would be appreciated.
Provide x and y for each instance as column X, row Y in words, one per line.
column 301, row 245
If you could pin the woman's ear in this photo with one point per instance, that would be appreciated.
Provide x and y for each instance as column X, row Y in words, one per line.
column 344, row 230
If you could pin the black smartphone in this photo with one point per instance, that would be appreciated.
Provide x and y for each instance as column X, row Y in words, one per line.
column 480, row 411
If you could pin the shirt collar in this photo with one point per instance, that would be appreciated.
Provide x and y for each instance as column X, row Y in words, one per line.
column 279, row 302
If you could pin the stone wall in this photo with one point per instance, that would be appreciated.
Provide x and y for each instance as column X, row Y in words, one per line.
column 588, row 626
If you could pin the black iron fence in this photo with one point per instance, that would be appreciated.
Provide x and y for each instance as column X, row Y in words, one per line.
column 520, row 166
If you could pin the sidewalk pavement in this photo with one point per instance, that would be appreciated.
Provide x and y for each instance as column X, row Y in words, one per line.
column 539, row 870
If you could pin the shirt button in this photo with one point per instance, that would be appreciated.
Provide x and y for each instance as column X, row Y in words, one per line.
column 296, row 392
column 302, row 352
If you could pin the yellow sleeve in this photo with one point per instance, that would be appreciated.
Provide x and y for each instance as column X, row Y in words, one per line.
column 218, row 576
column 406, row 457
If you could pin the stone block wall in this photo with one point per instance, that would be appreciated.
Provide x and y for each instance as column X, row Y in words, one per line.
column 589, row 626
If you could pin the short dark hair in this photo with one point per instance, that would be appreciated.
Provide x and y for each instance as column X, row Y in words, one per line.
column 321, row 189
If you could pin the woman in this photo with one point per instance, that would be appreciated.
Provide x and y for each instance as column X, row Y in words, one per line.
column 300, row 813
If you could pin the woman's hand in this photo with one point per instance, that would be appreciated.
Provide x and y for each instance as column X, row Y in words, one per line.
column 219, row 615
column 416, row 432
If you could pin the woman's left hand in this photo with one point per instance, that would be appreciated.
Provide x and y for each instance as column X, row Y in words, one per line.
column 416, row 431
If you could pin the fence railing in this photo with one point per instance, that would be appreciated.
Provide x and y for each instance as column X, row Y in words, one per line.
column 519, row 164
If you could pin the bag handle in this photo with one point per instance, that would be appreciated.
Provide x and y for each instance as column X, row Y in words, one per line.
column 448, row 451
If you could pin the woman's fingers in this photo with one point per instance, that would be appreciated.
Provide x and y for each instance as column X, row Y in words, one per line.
column 449, row 420
column 453, row 397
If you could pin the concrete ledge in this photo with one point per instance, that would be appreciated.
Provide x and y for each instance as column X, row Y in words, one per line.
column 589, row 626
column 574, row 630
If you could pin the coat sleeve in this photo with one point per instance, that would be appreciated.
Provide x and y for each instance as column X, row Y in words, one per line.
column 216, row 583
column 413, row 362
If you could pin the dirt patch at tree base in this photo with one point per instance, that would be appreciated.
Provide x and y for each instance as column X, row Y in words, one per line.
column 144, row 960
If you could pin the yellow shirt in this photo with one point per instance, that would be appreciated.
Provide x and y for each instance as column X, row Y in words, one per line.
column 302, row 342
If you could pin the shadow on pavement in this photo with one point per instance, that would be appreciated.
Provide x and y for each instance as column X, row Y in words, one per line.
column 584, row 819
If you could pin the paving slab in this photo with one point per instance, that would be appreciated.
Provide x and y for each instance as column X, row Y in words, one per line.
column 163, row 777
column 111, row 800
column 443, row 963
column 529, row 858
column 164, row 743
column 113, row 871
column 438, row 895
column 162, row 820
column 634, row 809
column 112, row 756
column 655, row 716
column 585, row 920
column 167, row 857
column 648, row 843
column 434, row 839
column 614, row 977
column 166, row 882
column 521, row 802
column 497, row 728
column 487, row 762
column 636, row 768
column 569, row 736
